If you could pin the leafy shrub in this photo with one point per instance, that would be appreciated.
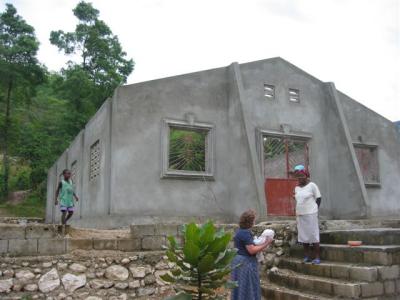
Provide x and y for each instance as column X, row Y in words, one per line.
column 201, row 264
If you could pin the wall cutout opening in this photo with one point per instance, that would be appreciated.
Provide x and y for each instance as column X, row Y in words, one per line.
column 269, row 91
column 95, row 156
column 367, row 156
column 294, row 95
column 188, row 150
column 74, row 169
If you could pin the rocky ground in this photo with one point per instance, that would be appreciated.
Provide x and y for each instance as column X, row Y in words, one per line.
column 90, row 275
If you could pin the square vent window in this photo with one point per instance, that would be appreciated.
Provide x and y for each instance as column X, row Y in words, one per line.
column 269, row 91
column 294, row 95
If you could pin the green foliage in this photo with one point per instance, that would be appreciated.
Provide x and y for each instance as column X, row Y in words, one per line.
column 41, row 112
column 33, row 206
column 187, row 150
column 103, row 60
column 20, row 73
column 201, row 264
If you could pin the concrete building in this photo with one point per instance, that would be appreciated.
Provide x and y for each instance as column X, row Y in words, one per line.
column 213, row 143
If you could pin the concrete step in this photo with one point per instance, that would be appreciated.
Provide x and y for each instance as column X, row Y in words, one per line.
column 372, row 236
column 271, row 291
column 326, row 286
column 359, row 224
column 367, row 254
column 355, row 272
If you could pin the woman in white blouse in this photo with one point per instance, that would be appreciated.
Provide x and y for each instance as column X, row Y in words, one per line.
column 308, row 200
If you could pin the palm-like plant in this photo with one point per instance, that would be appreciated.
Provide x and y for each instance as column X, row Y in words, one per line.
column 201, row 264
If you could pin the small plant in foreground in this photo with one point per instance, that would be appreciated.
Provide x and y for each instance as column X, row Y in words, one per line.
column 202, row 264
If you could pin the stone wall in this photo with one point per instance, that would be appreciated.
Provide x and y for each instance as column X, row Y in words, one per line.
column 85, row 275
column 46, row 239
column 38, row 262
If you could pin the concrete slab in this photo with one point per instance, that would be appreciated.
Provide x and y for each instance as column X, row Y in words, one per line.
column 153, row 242
column 84, row 244
column 374, row 236
column 129, row 244
column 3, row 246
column 51, row 246
column 11, row 231
column 40, row 231
column 104, row 244
column 23, row 247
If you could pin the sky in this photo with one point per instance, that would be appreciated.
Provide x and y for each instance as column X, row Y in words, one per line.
column 354, row 43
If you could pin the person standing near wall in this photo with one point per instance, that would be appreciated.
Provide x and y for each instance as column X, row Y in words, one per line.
column 245, row 265
column 308, row 200
column 65, row 192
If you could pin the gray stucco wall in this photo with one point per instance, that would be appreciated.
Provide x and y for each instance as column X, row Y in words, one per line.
column 51, row 191
column 95, row 192
column 346, row 194
column 376, row 130
column 75, row 155
column 138, row 111
column 129, row 129
column 306, row 116
column 61, row 165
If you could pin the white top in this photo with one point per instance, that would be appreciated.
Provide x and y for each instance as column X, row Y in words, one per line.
column 306, row 197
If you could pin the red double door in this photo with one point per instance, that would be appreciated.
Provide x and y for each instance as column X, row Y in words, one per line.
column 281, row 155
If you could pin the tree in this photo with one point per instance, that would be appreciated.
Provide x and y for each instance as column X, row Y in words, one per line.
column 102, row 58
column 20, row 72
column 202, row 264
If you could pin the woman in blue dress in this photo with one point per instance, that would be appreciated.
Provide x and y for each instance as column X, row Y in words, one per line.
column 246, row 274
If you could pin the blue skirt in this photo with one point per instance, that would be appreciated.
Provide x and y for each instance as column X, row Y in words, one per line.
column 247, row 277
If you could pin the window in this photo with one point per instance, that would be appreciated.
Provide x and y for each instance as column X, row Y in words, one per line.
column 282, row 154
column 188, row 150
column 294, row 95
column 95, row 156
column 367, row 156
column 269, row 91
column 73, row 171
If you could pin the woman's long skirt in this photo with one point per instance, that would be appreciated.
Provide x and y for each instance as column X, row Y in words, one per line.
column 247, row 277
column 307, row 228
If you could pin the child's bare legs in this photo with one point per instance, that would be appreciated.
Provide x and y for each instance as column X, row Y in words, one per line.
column 65, row 217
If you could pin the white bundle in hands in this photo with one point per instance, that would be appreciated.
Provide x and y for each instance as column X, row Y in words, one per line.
column 268, row 234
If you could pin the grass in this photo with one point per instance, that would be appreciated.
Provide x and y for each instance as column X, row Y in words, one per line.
column 33, row 206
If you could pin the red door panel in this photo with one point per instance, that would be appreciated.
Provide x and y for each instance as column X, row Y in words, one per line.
column 279, row 194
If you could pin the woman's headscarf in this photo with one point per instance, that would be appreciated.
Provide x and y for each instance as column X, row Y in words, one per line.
column 299, row 169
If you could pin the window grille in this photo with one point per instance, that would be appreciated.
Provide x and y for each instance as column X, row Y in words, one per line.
column 188, row 150
column 95, row 156
column 367, row 156
column 74, row 171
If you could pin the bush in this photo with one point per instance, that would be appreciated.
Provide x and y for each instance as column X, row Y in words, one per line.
column 202, row 264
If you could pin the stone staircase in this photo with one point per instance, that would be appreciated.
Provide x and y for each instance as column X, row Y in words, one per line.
column 371, row 271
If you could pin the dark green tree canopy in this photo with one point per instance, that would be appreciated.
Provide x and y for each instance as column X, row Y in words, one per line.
column 102, row 55
column 20, row 72
column 18, row 49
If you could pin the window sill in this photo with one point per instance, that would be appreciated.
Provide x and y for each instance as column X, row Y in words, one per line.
column 188, row 175
column 373, row 185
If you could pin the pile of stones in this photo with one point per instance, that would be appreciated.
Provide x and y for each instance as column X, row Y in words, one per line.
column 75, row 277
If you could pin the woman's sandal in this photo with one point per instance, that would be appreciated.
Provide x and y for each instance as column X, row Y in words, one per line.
column 316, row 261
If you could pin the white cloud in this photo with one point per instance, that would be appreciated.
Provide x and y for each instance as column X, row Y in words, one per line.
column 355, row 43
